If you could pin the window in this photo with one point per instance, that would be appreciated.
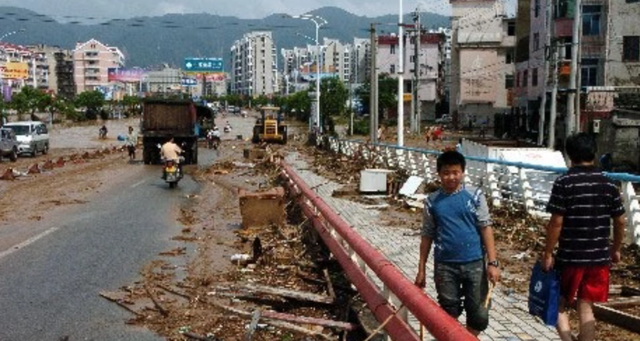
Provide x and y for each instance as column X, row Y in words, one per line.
column 589, row 72
column 511, row 28
column 525, row 78
column 508, row 81
column 392, row 49
column 536, row 41
column 632, row 1
column 509, row 57
column 534, row 77
column 392, row 69
column 631, row 48
column 591, row 20
column 564, row 9
column 536, row 8
column 412, row 59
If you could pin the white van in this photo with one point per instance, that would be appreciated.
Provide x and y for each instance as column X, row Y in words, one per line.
column 33, row 136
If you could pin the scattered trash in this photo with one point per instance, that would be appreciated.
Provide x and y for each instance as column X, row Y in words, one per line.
column 411, row 186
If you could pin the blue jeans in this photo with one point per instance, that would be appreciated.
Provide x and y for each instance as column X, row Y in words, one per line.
column 463, row 285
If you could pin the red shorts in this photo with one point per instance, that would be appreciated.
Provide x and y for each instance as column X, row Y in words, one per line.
column 590, row 283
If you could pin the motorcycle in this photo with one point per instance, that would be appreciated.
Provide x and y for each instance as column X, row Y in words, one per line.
column 227, row 129
column 172, row 172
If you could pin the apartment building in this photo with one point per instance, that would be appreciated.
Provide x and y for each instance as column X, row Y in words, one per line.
column 336, row 59
column 62, row 75
column 294, row 62
column 430, row 63
column 17, row 64
column 360, row 60
column 254, row 69
column 483, row 41
column 92, row 59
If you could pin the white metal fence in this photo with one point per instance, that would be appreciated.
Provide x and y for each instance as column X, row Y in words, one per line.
column 528, row 187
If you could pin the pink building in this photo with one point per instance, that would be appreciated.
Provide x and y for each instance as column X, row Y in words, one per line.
column 92, row 59
column 430, row 68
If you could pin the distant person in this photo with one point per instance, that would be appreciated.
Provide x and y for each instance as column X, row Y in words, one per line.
column 171, row 151
column 380, row 132
column 459, row 146
column 131, row 141
column 456, row 219
column 437, row 133
column 102, row 133
column 583, row 204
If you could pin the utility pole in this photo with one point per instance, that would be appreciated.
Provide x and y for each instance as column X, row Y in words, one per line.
column 554, row 98
column 373, row 93
column 415, row 121
column 545, row 74
column 570, row 120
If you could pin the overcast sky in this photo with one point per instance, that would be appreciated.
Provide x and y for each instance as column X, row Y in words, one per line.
column 246, row 9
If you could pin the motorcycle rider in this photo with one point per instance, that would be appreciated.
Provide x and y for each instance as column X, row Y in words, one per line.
column 171, row 151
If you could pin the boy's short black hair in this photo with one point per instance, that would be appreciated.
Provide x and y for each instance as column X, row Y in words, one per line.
column 450, row 158
column 581, row 148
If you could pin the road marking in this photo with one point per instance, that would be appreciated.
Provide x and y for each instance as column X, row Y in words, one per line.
column 138, row 184
column 27, row 242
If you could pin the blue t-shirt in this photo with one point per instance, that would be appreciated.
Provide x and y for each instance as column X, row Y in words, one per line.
column 453, row 222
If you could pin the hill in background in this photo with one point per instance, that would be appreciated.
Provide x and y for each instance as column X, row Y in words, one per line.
column 149, row 41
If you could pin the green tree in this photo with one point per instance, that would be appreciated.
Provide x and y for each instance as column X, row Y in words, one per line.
column 298, row 105
column 387, row 93
column 260, row 101
column 333, row 97
column 131, row 105
column 92, row 102
column 28, row 101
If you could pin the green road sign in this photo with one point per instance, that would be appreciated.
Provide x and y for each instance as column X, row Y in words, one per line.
column 203, row 64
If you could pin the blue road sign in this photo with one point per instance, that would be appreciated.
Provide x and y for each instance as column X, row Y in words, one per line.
column 189, row 82
column 203, row 64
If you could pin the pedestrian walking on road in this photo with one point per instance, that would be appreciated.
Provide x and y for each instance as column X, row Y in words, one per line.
column 131, row 141
column 457, row 221
column 583, row 204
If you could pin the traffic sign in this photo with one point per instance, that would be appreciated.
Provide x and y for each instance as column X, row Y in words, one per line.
column 203, row 64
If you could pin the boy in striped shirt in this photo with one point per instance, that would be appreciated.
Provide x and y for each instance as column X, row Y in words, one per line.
column 583, row 203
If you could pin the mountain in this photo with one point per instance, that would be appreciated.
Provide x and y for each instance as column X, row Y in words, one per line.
column 148, row 41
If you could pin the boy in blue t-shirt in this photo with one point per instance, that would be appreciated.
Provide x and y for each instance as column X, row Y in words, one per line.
column 457, row 222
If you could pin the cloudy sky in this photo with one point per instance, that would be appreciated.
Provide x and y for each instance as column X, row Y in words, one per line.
column 248, row 9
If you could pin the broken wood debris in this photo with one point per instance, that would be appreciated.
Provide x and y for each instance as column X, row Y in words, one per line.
column 256, row 289
column 273, row 321
column 113, row 298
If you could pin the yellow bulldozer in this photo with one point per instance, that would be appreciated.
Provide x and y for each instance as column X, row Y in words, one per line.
column 270, row 127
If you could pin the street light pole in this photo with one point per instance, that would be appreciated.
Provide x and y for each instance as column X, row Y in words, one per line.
column 400, row 80
column 318, row 21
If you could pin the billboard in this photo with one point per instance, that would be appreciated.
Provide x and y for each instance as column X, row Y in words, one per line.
column 15, row 70
column 125, row 75
column 478, row 72
column 212, row 77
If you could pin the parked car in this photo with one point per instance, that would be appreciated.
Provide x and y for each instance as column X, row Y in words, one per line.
column 444, row 119
column 32, row 136
column 8, row 144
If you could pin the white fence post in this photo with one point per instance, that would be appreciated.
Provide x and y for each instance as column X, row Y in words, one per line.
column 525, row 190
column 494, row 191
column 632, row 209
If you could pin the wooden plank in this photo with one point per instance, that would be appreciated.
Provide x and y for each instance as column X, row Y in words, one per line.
column 257, row 289
column 616, row 317
column 623, row 303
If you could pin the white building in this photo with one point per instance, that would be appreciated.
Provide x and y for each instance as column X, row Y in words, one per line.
column 254, row 65
column 92, row 60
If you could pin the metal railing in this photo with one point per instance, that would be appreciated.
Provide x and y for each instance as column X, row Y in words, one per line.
column 360, row 262
column 524, row 185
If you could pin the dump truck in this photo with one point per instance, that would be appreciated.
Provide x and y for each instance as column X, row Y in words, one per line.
column 165, row 118
column 270, row 127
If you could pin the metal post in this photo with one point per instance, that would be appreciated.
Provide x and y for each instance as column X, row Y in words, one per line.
column 416, row 73
column 570, row 120
column 400, row 80
column 373, row 103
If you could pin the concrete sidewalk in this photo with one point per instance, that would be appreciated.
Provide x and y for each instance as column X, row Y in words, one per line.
column 509, row 316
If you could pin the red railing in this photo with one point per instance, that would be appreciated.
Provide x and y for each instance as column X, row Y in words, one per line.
column 353, row 252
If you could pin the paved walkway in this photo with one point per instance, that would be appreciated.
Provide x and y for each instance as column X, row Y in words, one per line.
column 509, row 317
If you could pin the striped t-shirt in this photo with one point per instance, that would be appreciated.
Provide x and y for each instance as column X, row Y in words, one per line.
column 587, row 200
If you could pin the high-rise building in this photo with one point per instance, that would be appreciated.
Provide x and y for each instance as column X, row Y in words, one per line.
column 92, row 60
column 254, row 68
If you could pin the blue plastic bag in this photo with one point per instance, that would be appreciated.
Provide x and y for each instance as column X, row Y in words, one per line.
column 544, row 294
